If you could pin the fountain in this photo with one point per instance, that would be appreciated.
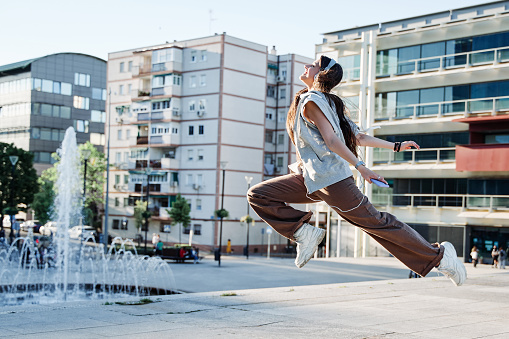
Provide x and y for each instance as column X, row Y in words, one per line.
column 59, row 269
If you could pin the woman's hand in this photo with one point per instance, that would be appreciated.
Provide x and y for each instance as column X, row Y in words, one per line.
column 368, row 174
column 408, row 145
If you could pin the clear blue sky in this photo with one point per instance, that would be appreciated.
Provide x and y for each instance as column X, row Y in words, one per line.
column 34, row 28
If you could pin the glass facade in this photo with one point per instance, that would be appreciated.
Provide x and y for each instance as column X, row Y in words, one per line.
column 444, row 54
column 489, row 96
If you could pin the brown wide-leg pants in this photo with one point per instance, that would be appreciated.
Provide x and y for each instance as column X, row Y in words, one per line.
column 270, row 199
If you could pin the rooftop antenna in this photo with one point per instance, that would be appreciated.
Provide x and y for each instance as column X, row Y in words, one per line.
column 210, row 21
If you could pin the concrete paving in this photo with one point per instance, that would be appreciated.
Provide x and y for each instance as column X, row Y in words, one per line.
column 397, row 308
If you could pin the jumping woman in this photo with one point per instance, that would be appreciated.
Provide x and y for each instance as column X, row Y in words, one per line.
column 326, row 141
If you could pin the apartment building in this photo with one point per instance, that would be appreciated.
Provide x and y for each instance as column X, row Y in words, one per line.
column 181, row 114
column 40, row 98
column 441, row 79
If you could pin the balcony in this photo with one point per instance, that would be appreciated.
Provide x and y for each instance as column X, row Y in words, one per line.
column 142, row 140
column 167, row 139
column 445, row 62
column 142, row 94
column 166, row 91
column 483, row 158
column 166, row 114
column 466, row 108
column 451, row 201
column 165, row 67
column 424, row 155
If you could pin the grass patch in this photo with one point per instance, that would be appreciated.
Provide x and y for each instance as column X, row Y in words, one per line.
column 143, row 301
column 229, row 294
column 291, row 289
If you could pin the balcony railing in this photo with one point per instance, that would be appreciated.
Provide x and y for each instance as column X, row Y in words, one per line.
column 445, row 62
column 142, row 140
column 458, row 201
column 430, row 155
column 466, row 108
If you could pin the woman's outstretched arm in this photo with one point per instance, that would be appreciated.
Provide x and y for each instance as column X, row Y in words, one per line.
column 368, row 140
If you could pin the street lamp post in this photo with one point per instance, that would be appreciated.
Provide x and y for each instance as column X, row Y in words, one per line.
column 248, row 180
column 148, row 170
column 86, row 154
column 14, row 161
column 223, row 167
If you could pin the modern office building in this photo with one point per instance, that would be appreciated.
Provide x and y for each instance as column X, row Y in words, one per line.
column 441, row 79
column 40, row 98
column 187, row 114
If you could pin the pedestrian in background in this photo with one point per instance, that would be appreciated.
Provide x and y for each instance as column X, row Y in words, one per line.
column 475, row 255
column 494, row 256
column 502, row 256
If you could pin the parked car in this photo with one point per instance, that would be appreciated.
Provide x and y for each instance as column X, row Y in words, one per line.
column 49, row 228
column 31, row 223
column 75, row 232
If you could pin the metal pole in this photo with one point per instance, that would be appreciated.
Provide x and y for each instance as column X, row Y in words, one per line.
column 106, row 215
column 12, row 202
column 147, row 211
column 221, row 222
column 247, row 224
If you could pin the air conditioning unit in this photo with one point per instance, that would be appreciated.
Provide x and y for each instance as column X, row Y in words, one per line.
column 196, row 187
column 200, row 113
column 176, row 113
column 281, row 78
column 124, row 187
column 117, row 187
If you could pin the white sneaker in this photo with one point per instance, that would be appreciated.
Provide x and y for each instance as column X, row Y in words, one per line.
column 308, row 238
column 451, row 266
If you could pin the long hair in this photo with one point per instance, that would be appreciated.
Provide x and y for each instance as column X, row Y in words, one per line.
column 325, row 82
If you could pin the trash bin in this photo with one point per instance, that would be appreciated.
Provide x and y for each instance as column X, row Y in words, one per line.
column 245, row 250
column 216, row 254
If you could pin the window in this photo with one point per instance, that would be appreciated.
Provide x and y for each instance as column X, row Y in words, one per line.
column 129, row 89
column 81, row 126
column 121, row 89
column 200, row 129
column 119, row 134
column 117, row 176
column 199, row 179
column 268, row 136
column 192, row 82
column 201, row 104
column 81, row 102
column 190, row 154
column 126, row 202
column 271, row 91
column 203, row 80
column 174, row 130
column 128, row 134
column 268, row 115
column 198, row 204
column 126, row 179
column 130, row 66
column 117, row 202
column 66, row 89
column 116, row 224
column 97, row 138
column 197, row 228
column 189, row 179
column 97, row 93
column 47, row 86
column 122, row 64
column 200, row 154
column 97, row 116
column 279, row 161
column 82, row 79
column 193, row 56
column 118, row 160
column 192, row 106
column 282, row 93
column 191, row 130
column 281, row 139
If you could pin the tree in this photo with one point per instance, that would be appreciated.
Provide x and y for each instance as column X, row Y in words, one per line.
column 221, row 213
column 179, row 213
column 43, row 201
column 139, row 211
column 20, row 187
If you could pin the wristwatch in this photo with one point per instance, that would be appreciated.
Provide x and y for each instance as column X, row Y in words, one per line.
column 360, row 163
